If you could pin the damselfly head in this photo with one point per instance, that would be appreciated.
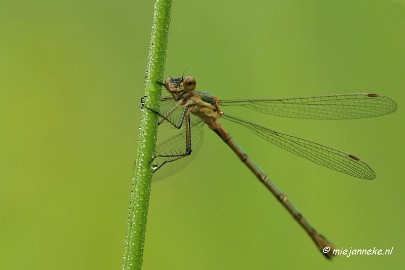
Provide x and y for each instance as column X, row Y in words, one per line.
column 182, row 84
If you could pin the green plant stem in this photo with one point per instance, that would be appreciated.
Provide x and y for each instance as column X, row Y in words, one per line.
column 141, row 183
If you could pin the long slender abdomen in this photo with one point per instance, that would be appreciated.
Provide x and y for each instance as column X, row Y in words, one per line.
column 321, row 242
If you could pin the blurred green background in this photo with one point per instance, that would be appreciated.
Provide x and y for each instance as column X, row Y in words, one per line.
column 71, row 78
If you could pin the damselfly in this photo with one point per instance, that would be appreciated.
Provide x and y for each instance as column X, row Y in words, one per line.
column 184, row 102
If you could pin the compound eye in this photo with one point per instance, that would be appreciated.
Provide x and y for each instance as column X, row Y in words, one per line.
column 189, row 84
column 169, row 84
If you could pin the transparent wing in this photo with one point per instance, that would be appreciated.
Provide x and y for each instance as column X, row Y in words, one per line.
column 315, row 152
column 345, row 106
column 172, row 110
column 171, row 143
